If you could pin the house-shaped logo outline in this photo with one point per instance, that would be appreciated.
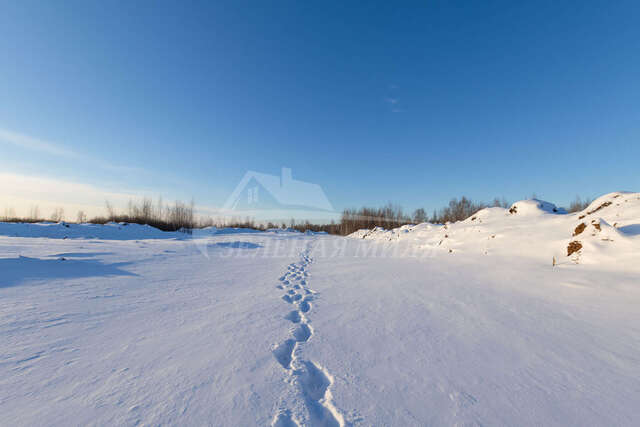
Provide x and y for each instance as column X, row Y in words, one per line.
column 287, row 192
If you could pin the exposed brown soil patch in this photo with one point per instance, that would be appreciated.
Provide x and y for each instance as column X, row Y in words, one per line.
column 513, row 210
column 579, row 229
column 604, row 205
column 597, row 226
column 574, row 246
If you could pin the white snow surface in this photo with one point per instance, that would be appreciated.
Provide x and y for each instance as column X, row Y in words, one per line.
column 234, row 327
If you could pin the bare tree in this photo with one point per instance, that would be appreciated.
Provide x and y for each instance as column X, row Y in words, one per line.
column 419, row 216
column 57, row 215
column 388, row 216
column 180, row 216
column 159, row 209
column 81, row 218
column 34, row 213
column 500, row 203
column 111, row 213
column 9, row 214
column 579, row 205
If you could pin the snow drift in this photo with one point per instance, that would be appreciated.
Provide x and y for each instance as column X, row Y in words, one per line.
column 108, row 231
column 607, row 231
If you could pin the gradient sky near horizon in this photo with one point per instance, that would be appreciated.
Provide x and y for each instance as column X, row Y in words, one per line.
column 412, row 103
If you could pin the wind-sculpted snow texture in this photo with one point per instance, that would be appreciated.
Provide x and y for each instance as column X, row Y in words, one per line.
column 284, row 329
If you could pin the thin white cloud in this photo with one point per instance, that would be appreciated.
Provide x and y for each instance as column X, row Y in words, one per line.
column 394, row 105
column 19, row 193
column 35, row 144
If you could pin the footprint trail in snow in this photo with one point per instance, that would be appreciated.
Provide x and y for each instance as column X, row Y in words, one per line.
column 313, row 382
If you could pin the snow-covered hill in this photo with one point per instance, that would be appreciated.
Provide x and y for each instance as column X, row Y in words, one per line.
column 606, row 233
column 108, row 231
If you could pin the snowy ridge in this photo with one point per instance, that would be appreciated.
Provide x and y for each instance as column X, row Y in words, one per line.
column 609, row 234
column 313, row 380
column 108, row 231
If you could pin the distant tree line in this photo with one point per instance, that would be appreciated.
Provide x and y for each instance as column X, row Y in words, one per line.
column 181, row 216
column 391, row 216
column 388, row 216
column 178, row 216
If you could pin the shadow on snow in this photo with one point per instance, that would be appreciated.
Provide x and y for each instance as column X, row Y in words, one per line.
column 17, row 271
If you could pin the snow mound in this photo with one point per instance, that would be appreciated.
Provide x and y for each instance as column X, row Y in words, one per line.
column 487, row 214
column 62, row 230
column 108, row 231
column 380, row 233
column 606, row 233
column 608, row 230
column 534, row 207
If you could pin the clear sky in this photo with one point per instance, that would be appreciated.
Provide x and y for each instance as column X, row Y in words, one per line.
column 412, row 103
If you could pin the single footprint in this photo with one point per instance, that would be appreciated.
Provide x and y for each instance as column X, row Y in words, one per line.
column 284, row 353
column 305, row 306
column 294, row 316
column 287, row 298
column 315, row 383
column 302, row 333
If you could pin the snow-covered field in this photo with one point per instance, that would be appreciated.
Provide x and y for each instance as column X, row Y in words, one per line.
column 463, row 324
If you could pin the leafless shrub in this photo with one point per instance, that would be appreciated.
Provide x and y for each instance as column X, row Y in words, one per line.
column 500, row 203
column 419, row 216
column 9, row 214
column 111, row 213
column 179, row 216
column 57, row 215
column 389, row 216
column 579, row 205
column 459, row 210
column 34, row 213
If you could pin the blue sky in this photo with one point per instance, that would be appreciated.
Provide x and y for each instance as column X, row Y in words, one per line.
column 375, row 102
